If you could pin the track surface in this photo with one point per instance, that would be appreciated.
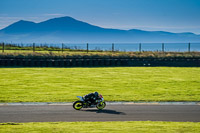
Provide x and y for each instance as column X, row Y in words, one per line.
column 52, row 113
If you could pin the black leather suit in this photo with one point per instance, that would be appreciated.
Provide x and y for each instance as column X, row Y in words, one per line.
column 91, row 98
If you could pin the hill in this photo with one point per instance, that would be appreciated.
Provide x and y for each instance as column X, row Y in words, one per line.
column 70, row 30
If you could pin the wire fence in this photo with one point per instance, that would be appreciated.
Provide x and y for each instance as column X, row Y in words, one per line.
column 101, row 47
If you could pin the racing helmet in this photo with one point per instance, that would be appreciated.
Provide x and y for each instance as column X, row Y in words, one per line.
column 96, row 94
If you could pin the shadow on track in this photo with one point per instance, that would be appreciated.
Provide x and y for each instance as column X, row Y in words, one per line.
column 106, row 111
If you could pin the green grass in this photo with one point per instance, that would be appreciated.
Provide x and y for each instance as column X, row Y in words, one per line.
column 94, row 54
column 101, row 127
column 114, row 83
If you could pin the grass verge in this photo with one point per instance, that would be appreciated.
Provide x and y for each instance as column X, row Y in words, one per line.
column 94, row 54
column 125, row 127
column 114, row 83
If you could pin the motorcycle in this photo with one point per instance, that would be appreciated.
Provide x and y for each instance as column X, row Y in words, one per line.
column 81, row 103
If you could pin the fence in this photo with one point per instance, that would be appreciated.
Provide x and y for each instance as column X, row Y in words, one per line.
column 113, row 47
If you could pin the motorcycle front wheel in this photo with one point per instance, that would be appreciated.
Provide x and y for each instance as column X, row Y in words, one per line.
column 78, row 105
column 100, row 106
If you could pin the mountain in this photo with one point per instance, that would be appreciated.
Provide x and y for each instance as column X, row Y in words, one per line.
column 67, row 29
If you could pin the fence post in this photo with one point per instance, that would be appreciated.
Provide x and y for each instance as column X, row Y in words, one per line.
column 113, row 47
column 188, row 47
column 140, row 47
column 62, row 47
column 3, row 47
column 87, row 47
column 163, row 47
column 33, row 47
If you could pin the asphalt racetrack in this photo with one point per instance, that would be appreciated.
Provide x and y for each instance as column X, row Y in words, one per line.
column 119, row 112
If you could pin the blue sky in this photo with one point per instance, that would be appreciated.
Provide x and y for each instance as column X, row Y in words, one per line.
column 153, row 15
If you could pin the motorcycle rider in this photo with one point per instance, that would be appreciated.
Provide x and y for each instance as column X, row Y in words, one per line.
column 91, row 97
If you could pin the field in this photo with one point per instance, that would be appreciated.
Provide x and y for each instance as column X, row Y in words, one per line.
column 125, row 127
column 114, row 83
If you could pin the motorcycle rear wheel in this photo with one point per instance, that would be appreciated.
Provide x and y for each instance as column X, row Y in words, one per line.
column 100, row 106
column 78, row 105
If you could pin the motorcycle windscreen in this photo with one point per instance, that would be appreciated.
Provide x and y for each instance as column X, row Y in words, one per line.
column 81, row 98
